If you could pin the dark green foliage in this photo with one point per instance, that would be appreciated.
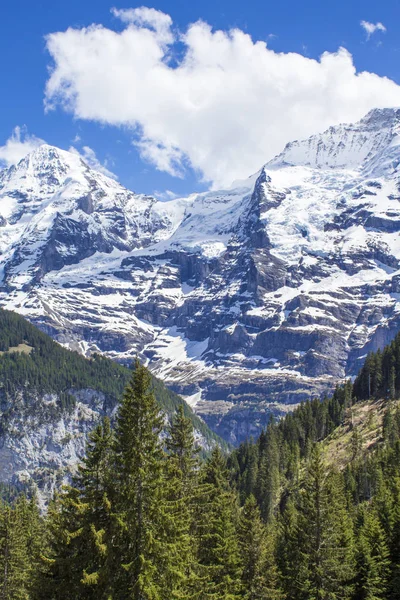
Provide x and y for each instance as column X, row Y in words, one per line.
column 141, row 564
column 259, row 468
column 373, row 562
column 268, row 475
column 50, row 368
column 380, row 374
column 217, row 542
column 80, row 528
column 145, row 519
column 73, row 565
column 21, row 541
column 325, row 535
column 181, row 494
column 257, row 552
column 323, row 549
column 316, row 544
column 289, row 553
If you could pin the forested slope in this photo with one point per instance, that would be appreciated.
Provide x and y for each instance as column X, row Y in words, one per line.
column 308, row 511
column 51, row 398
column 47, row 367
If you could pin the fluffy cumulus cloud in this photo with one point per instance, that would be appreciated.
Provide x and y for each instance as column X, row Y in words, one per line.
column 18, row 145
column 90, row 158
column 164, row 196
column 217, row 100
column 371, row 28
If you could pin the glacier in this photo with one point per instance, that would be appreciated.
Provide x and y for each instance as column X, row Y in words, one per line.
column 246, row 300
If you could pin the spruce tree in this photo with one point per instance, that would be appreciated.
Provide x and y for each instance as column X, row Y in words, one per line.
column 259, row 572
column 33, row 527
column 290, row 558
column 183, row 452
column 267, row 488
column 392, row 382
column 326, row 535
column 15, row 562
column 394, row 542
column 94, row 482
column 144, row 547
column 218, row 553
column 61, row 570
column 181, row 496
column 76, row 564
column 373, row 560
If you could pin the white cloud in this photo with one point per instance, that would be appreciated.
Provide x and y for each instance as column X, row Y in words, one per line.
column 216, row 99
column 147, row 17
column 165, row 196
column 90, row 158
column 18, row 145
column 164, row 157
column 371, row 28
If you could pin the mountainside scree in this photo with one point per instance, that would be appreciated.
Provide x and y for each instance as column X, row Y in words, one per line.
column 244, row 300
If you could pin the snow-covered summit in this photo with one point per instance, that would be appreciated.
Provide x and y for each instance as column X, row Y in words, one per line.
column 346, row 146
column 56, row 210
column 241, row 299
column 48, row 172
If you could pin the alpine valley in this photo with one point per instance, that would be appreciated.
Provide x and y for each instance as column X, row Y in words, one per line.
column 245, row 300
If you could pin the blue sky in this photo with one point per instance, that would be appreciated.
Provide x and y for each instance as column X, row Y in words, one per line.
column 194, row 137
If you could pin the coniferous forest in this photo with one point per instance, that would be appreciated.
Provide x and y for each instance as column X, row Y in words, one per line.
column 145, row 518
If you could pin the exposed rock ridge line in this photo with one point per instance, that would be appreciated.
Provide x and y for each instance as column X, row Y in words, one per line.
column 244, row 300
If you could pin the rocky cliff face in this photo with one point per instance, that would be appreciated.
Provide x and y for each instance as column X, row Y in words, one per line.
column 244, row 300
column 43, row 444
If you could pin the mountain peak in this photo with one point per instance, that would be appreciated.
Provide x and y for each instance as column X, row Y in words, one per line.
column 265, row 292
column 381, row 117
column 47, row 154
column 47, row 157
column 43, row 170
column 346, row 146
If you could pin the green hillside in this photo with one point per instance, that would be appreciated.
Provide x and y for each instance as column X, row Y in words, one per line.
column 309, row 511
column 31, row 362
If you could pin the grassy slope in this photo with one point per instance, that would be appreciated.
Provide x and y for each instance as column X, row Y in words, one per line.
column 364, row 420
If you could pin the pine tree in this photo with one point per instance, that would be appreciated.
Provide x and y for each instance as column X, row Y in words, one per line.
column 355, row 443
column 348, row 392
column 181, row 446
column 144, row 547
column 372, row 559
column 250, row 474
column 392, row 382
column 94, row 482
column 267, row 487
column 33, row 527
column 377, row 374
column 15, row 562
column 326, row 539
column 77, row 562
column 290, row 559
column 181, row 495
column 259, row 572
column 61, row 570
column 218, row 552
column 383, row 502
column 394, row 542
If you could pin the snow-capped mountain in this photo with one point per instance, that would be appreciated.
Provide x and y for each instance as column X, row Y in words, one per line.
column 56, row 211
column 244, row 300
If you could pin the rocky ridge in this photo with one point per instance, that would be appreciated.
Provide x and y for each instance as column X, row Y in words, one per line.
column 244, row 300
